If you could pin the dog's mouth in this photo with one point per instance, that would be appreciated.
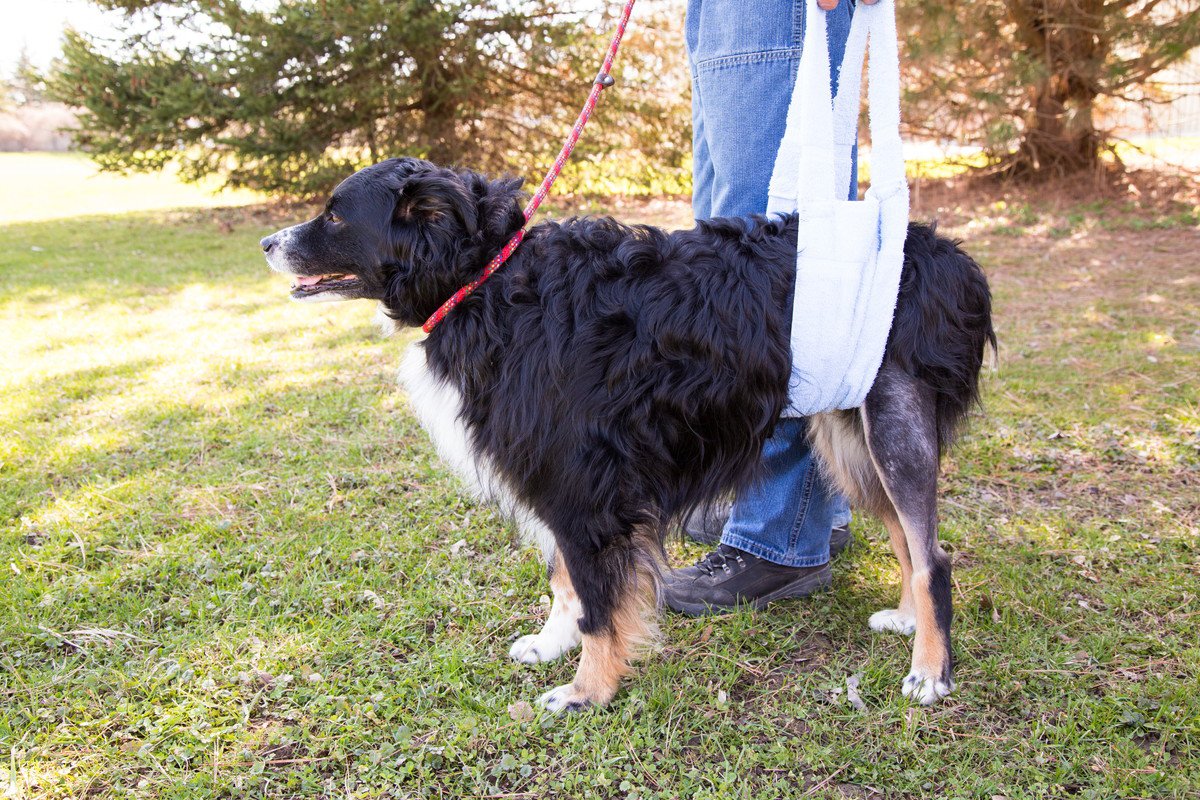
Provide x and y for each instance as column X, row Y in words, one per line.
column 305, row 286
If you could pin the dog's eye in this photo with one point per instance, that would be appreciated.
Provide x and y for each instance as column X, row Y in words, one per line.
column 331, row 216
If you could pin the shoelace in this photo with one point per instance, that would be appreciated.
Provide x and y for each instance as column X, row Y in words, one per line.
column 719, row 558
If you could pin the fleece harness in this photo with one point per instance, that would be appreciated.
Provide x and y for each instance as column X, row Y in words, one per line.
column 603, row 80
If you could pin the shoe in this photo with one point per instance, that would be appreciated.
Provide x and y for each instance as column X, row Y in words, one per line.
column 728, row 578
column 839, row 540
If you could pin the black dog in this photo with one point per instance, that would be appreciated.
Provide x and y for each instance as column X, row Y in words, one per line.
column 608, row 378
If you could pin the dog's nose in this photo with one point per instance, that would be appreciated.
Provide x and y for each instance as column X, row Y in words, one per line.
column 267, row 243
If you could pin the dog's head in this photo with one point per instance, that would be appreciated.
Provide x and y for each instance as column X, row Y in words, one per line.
column 404, row 232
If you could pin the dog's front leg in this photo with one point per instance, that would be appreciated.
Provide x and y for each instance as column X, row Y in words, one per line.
column 617, row 595
column 561, row 632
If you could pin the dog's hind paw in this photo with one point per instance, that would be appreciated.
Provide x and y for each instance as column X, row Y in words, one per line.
column 893, row 620
column 564, row 698
column 538, row 647
column 926, row 690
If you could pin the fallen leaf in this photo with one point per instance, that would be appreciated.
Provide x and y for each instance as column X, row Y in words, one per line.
column 521, row 711
column 852, row 695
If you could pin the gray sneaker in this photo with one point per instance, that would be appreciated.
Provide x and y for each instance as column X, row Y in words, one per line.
column 727, row 578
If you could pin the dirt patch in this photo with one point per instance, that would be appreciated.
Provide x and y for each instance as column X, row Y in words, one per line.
column 1137, row 192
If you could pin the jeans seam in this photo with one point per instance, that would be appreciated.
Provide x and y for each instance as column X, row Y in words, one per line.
column 755, row 548
column 745, row 59
column 802, row 507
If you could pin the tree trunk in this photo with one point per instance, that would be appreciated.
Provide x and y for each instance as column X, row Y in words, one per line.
column 1060, row 137
column 439, row 117
column 1065, row 38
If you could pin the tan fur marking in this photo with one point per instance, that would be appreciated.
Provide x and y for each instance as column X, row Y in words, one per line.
column 929, row 645
column 900, row 550
column 603, row 664
column 844, row 457
column 560, row 581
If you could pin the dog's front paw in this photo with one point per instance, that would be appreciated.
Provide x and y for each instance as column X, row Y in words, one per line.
column 893, row 620
column 538, row 647
column 564, row 698
column 926, row 690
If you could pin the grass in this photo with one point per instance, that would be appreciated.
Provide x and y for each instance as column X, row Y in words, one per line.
column 234, row 567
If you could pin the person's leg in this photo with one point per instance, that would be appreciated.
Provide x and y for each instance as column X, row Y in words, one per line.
column 786, row 516
column 743, row 58
column 743, row 61
column 702, row 166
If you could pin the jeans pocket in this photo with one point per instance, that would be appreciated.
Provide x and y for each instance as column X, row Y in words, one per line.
column 720, row 28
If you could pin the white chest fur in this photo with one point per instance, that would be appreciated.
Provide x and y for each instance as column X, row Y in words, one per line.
column 438, row 406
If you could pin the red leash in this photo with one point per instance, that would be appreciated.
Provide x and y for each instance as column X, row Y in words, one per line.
column 603, row 81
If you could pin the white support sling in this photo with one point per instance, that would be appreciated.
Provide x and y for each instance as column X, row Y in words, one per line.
column 850, row 252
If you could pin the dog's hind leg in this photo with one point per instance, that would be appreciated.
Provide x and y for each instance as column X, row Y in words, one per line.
column 841, row 442
column 900, row 426
column 561, row 632
column 616, row 586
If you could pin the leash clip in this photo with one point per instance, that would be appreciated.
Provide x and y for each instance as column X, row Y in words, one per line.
column 604, row 79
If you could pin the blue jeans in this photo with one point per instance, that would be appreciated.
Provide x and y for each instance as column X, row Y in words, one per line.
column 743, row 57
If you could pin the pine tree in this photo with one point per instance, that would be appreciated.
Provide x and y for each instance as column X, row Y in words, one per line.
column 25, row 87
column 291, row 98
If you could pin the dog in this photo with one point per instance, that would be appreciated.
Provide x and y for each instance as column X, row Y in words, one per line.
column 610, row 378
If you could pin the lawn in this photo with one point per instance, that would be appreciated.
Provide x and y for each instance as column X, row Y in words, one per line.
column 234, row 567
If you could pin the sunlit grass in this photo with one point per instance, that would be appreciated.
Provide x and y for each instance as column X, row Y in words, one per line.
column 44, row 186
column 1170, row 149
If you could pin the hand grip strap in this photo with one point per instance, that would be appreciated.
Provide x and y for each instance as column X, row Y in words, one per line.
column 816, row 155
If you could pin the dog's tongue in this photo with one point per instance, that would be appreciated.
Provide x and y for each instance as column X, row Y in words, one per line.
column 308, row 280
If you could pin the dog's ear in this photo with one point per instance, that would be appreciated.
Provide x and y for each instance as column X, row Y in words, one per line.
column 500, row 209
column 430, row 196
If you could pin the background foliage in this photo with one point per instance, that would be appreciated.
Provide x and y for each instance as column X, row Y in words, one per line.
column 1025, row 78
column 292, row 97
column 289, row 97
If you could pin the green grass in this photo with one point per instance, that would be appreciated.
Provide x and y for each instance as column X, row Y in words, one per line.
column 234, row 567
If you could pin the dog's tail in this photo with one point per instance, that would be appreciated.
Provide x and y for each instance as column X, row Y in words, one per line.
column 943, row 324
